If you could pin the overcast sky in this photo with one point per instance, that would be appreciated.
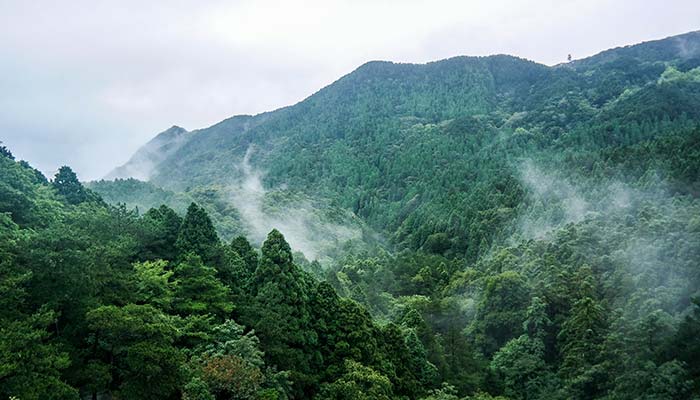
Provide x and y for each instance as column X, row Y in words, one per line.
column 85, row 83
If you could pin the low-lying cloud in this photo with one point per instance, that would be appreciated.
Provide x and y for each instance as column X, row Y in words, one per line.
column 304, row 225
column 644, row 232
column 547, row 192
column 555, row 202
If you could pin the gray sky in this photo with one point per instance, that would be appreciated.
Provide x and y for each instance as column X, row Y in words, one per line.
column 85, row 83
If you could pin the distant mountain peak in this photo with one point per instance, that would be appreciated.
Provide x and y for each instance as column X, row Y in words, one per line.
column 142, row 164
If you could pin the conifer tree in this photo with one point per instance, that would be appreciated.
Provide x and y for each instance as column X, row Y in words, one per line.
column 241, row 246
column 198, row 291
column 197, row 234
column 281, row 315
column 67, row 185
column 166, row 228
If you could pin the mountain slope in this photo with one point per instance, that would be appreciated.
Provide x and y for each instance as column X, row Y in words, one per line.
column 422, row 150
column 144, row 162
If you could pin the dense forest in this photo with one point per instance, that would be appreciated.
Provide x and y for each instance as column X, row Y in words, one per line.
column 473, row 228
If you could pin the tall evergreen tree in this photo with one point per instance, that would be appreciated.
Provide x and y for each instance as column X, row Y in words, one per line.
column 165, row 224
column 242, row 246
column 685, row 345
column 137, row 341
column 5, row 152
column 198, row 291
column 281, row 313
column 580, row 340
column 197, row 234
column 501, row 310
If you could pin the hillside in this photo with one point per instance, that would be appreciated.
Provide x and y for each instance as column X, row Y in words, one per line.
column 98, row 302
column 144, row 162
column 403, row 146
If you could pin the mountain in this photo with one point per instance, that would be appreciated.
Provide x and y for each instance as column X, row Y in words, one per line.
column 416, row 150
column 144, row 162
column 684, row 48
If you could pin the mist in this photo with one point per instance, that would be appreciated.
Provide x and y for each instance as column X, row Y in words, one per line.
column 561, row 199
column 304, row 224
column 144, row 162
column 687, row 49
column 555, row 201
column 637, row 229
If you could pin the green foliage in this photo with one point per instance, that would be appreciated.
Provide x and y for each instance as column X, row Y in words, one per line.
column 197, row 234
column 197, row 389
column 138, row 341
column 243, row 248
column 501, row 312
column 153, row 283
column 281, row 313
column 536, row 232
column 66, row 184
column 30, row 367
column 447, row 392
column 685, row 346
column 161, row 237
column 198, row 291
column 5, row 152
column 276, row 250
column 521, row 365
column 358, row 382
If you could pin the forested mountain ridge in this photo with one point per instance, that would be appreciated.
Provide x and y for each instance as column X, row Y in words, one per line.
column 488, row 228
column 684, row 47
column 402, row 146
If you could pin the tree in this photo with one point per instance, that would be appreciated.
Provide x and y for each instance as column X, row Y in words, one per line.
column 536, row 319
column 137, row 342
column 281, row 315
column 30, row 364
column 153, row 284
column 231, row 364
column 403, row 367
column 197, row 235
column 424, row 370
column 685, row 344
column 359, row 382
column 580, row 342
column 241, row 246
column 230, row 376
column 197, row 389
column 446, row 392
column 437, row 243
column 276, row 250
column 501, row 311
column 66, row 184
column 198, row 291
column 414, row 321
column 5, row 152
column 521, row 366
column 463, row 366
column 165, row 225
column 233, row 272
